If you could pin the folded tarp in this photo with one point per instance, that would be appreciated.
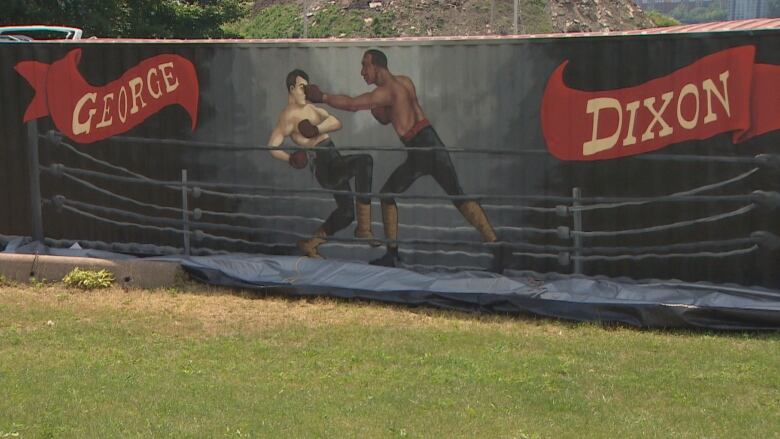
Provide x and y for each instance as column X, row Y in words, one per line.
column 651, row 304
column 647, row 304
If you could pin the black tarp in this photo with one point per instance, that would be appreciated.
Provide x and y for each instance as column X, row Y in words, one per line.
column 645, row 304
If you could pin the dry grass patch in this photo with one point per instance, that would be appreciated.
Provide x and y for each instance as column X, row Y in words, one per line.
column 211, row 311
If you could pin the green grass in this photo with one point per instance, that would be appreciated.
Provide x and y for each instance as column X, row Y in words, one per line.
column 212, row 364
column 535, row 17
column 662, row 20
column 285, row 21
column 277, row 21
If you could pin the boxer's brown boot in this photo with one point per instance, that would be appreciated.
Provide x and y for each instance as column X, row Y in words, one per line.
column 472, row 211
column 390, row 222
column 309, row 246
column 363, row 229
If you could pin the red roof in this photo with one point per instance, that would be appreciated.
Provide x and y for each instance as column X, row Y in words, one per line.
column 719, row 26
column 753, row 24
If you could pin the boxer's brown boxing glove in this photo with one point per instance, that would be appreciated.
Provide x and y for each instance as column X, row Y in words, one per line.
column 298, row 159
column 307, row 129
column 313, row 93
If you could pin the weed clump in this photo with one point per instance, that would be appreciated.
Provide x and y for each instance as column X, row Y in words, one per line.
column 89, row 279
column 5, row 282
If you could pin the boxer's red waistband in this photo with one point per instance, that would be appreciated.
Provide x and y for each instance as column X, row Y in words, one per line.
column 415, row 130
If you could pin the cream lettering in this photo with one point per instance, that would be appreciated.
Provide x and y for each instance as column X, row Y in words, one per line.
column 658, row 117
column 122, row 104
column 597, row 144
column 106, row 111
column 136, row 84
column 653, row 118
column 709, row 87
column 83, row 127
column 156, row 93
column 688, row 90
column 171, row 82
column 631, row 108
column 124, row 100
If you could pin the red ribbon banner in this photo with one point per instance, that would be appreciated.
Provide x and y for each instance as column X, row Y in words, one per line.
column 86, row 114
column 722, row 92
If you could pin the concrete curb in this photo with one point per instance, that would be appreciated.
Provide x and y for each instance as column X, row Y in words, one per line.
column 134, row 273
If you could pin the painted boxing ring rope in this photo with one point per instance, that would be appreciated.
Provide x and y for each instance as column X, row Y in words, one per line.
column 190, row 225
column 198, row 213
column 83, row 208
column 238, row 148
column 759, row 159
column 603, row 202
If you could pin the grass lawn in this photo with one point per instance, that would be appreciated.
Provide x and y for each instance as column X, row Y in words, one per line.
column 211, row 363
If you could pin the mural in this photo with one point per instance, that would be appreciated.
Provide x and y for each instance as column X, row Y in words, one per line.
column 648, row 157
column 308, row 126
column 87, row 114
column 722, row 92
column 394, row 101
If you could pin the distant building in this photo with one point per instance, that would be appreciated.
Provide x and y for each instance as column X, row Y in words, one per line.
column 667, row 5
column 742, row 9
column 736, row 9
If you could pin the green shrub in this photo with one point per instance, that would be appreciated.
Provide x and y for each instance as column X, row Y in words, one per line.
column 382, row 27
column 277, row 21
column 286, row 21
column 89, row 279
column 662, row 20
column 333, row 21
column 535, row 17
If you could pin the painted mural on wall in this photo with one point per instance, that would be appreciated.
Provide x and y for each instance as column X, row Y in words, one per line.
column 393, row 101
column 723, row 92
column 601, row 156
column 85, row 113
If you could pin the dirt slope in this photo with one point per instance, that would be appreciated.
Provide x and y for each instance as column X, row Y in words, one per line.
column 485, row 17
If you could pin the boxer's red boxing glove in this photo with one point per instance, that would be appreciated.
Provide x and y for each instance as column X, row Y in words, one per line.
column 313, row 93
column 298, row 159
column 307, row 129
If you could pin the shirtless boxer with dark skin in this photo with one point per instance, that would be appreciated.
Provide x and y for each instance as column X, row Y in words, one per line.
column 394, row 101
column 308, row 126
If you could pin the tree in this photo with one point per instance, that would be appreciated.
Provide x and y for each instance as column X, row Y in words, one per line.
column 131, row 18
column 180, row 19
column 773, row 8
column 699, row 14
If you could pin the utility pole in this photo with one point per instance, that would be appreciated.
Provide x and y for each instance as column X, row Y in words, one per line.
column 518, row 16
column 305, row 18
column 492, row 15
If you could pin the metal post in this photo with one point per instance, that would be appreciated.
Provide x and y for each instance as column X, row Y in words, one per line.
column 492, row 16
column 516, row 7
column 305, row 18
column 184, row 214
column 577, row 215
column 34, row 180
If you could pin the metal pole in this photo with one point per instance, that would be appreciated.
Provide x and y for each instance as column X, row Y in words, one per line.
column 577, row 215
column 305, row 18
column 516, row 7
column 34, row 180
column 184, row 214
column 492, row 16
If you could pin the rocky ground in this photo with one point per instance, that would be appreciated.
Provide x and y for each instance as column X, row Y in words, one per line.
column 487, row 17
column 597, row 15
